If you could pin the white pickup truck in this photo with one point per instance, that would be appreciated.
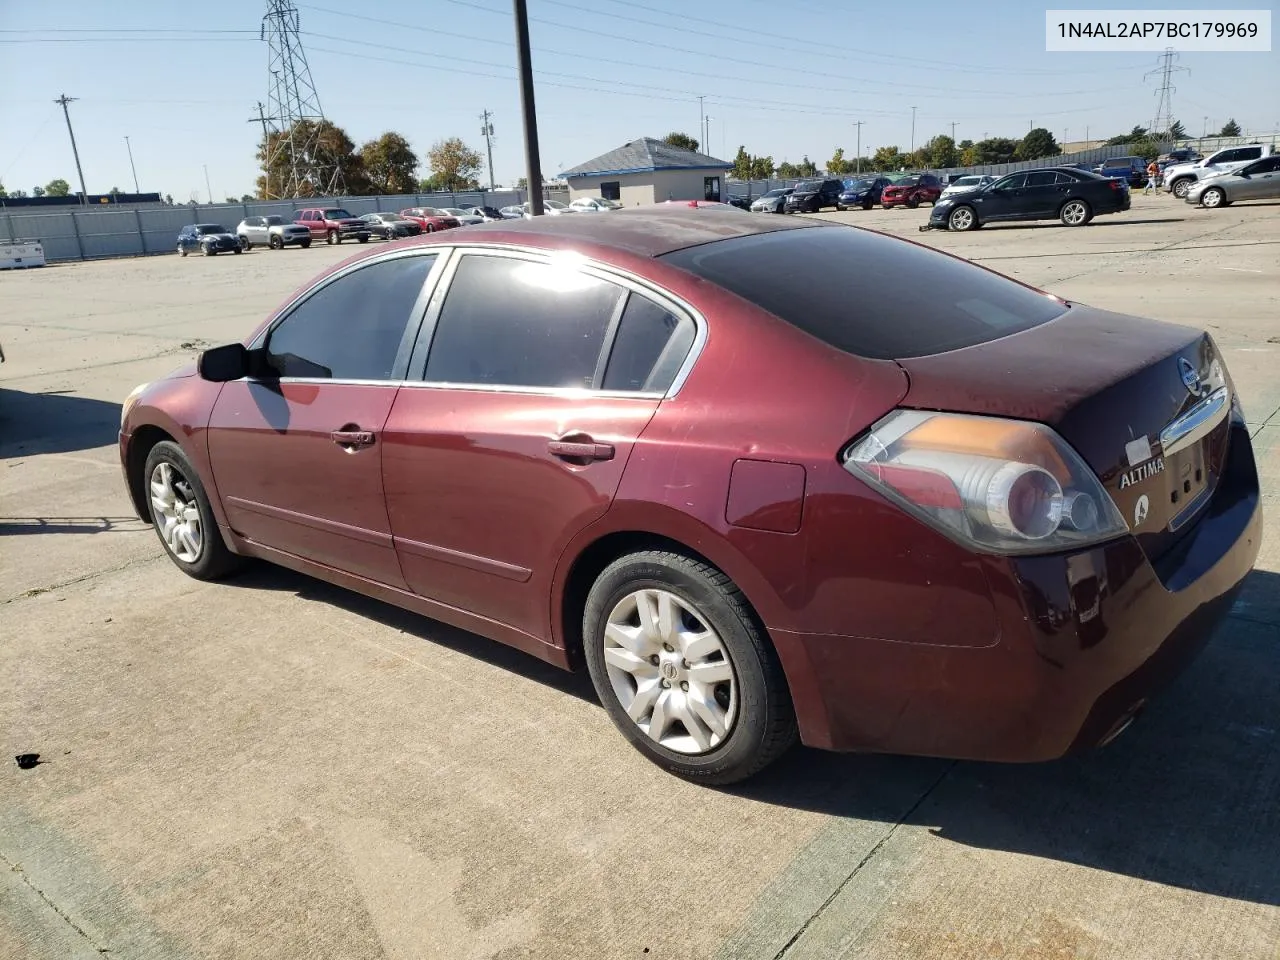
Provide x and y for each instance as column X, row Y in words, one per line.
column 1179, row 177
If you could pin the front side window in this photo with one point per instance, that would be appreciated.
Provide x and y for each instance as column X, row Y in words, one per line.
column 1012, row 182
column 521, row 323
column 1042, row 178
column 649, row 347
column 1269, row 165
column 352, row 327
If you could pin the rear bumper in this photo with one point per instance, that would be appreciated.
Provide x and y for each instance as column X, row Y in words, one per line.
column 1084, row 640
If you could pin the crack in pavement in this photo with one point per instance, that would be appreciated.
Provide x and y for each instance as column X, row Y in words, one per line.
column 795, row 937
column 22, row 875
column 37, row 591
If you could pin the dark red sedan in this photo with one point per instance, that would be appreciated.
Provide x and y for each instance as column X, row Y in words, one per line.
column 431, row 219
column 911, row 192
column 756, row 493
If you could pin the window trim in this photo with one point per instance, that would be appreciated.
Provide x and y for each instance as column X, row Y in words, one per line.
column 416, row 372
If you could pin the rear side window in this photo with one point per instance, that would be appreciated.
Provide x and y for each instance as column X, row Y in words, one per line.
column 649, row 347
column 900, row 300
column 521, row 323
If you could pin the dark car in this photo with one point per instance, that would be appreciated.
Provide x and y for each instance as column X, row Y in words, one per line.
column 391, row 226
column 742, row 203
column 911, row 191
column 758, row 493
column 1132, row 170
column 812, row 195
column 864, row 193
column 1059, row 193
column 208, row 238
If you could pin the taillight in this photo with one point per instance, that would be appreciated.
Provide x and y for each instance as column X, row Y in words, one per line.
column 1004, row 486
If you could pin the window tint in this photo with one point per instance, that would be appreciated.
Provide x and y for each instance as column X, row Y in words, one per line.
column 1269, row 165
column 1042, row 178
column 521, row 323
column 1013, row 182
column 649, row 347
column 351, row 329
column 1249, row 153
column 803, row 277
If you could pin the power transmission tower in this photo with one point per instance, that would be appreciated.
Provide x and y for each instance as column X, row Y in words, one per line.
column 487, row 130
column 1163, row 121
column 62, row 101
column 308, row 167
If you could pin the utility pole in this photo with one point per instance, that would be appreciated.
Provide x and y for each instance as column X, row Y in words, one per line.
column 913, row 129
column 63, row 101
column 136, row 188
column 702, row 121
column 533, row 164
column 706, row 138
column 266, row 146
column 1164, row 105
column 208, row 189
column 953, row 132
column 487, row 130
column 858, row 161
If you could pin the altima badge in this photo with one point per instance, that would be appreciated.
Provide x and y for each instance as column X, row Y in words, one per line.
column 1142, row 473
column 1140, row 510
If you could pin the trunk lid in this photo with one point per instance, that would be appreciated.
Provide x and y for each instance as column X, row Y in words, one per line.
column 1145, row 403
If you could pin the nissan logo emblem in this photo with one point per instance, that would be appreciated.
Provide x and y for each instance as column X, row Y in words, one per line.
column 1190, row 379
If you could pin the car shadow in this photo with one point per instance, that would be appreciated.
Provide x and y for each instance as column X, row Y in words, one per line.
column 1055, row 225
column 1185, row 797
column 19, row 526
column 56, row 422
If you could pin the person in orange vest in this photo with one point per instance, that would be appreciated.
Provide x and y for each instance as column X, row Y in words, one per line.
column 1153, row 171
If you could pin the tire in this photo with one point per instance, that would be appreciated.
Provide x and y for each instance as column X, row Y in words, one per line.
column 1075, row 213
column 745, row 690
column 238, row 250
column 913, row 203
column 182, row 251
column 185, row 512
column 245, row 244
column 305, row 244
column 867, row 204
column 363, row 237
column 1213, row 198
column 333, row 237
column 431, row 228
column 1180, row 188
column 840, row 208
column 276, row 242
column 962, row 218
column 209, row 251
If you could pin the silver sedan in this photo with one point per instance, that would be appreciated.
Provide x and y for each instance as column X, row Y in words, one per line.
column 1260, row 180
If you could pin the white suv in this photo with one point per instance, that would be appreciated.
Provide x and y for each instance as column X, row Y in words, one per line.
column 1179, row 177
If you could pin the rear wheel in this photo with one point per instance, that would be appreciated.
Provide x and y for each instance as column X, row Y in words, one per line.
column 867, row 204
column 333, row 237
column 1075, row 213
column 683, row 669
column 182, row 517
column 182, row 251
column 1214, row 197
column 305, row 244
column 913, row 202
column 245, row 244
column 209, row 251
column 962, row 218
column 363, row 237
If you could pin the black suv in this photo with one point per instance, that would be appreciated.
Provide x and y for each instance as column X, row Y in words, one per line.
column 812, row 195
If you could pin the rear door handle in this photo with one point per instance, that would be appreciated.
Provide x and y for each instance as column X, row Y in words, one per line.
column 580, row 449
column 352, row 439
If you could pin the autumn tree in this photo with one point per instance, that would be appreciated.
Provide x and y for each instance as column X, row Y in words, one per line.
column 319, row 144
column 1230, row 128
column 57, row 188
column 681, row 140
column 838, row 166
column 390, row 164
column 454, row 165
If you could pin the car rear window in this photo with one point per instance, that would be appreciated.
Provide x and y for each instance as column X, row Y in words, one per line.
column 868, row 294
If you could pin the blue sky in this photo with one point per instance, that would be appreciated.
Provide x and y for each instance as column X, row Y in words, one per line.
column 607, row 71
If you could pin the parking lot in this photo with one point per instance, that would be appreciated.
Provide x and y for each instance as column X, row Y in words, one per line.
column 272, row 767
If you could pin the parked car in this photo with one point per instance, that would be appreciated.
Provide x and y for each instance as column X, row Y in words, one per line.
column 332, row 224
column 771, row 202
column 966, row 183
column 513, row 212
column 431, row 219
column 811, row 196
column 550, row 208
column 1179, row 178
column 1058, row 193
column 911, row 191
column 700, row 205
column 894, row 503
column 742, row 203
column 487, row 214
column 1179, row 155
column 274, row 231
column 391, row 226
column 1260, row 180
column 465, row 218
column 1132, row 170
column 864, row 193
column 208, row 238
column 594, row 205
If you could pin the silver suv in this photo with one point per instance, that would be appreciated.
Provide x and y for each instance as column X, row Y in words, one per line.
column 1179, row 177
column 273, row 231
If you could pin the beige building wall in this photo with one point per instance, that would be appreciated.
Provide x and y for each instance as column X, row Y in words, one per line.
column 642, row 189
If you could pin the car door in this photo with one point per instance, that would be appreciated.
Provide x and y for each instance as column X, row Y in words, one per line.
column 1261, row 180
column 539, row 378
column 1043, row 194
column 1004, row 200
column 297, row 452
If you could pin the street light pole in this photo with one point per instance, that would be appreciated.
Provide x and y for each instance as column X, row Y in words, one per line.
column 913, row 129
column 136, row 188
column 533, row 164
column 208, row 189
column 858, row 161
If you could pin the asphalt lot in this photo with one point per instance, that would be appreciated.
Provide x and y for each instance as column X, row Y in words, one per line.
column 271, row 767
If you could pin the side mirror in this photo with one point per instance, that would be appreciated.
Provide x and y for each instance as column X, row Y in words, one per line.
column 1241, row 173
column 222, row 364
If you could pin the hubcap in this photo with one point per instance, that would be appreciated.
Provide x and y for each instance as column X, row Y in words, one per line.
column 670, row 671
column 177, row 517
column 1180, row 189
column 961, row 219
column 1074, row 213
column 1212, row 198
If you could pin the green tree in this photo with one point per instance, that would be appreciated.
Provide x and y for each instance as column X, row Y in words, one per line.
column 996, row 150
column 964, row 144
column 454, row 165
column 838, row 166
column 761, row 168
column 168, row 200
column 57, row 188
column 741, row 165
column 941, row 152
column 969, row 156
column 390, row 164
column 1037, row 145
column 681, row 140
column 806, row 167
column 37, row 191
column 887, row 158
column 330, row 147
column 788, row 170
column 247, row 198
column 522, row 183
column 1230, row 128
column 2, row 191
column 1137, row 133
column 1177, row 131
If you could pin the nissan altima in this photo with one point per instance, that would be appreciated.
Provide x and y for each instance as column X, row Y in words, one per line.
column 1060, row 193
column 760, row 496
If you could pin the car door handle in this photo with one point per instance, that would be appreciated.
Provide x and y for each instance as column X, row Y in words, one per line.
column 352, row 439
column 580, row 449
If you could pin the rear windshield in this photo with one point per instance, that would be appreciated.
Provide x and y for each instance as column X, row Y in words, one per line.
column 868, row 294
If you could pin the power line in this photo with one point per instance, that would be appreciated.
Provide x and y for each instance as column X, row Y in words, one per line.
column 1163, row 122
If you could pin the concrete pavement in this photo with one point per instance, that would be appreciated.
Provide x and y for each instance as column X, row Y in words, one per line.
column 274, row 768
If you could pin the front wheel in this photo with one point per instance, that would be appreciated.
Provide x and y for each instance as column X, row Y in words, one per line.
column 1180, row 188
column 1075, row 213
column 840, row 208
column 333, row 237
column 245, row 244
column 364, row 237
column 276, row 242
column 182, row 251
column 1214, row 197
column 913, row 203
column 182, row 517
column 305, row 244
column 684, row 670
column 962, row 218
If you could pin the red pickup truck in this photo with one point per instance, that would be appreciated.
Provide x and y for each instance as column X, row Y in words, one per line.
column 332, row 224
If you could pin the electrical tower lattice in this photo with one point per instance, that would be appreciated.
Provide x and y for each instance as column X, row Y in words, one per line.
column 297, row 163
column 1163, row 123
